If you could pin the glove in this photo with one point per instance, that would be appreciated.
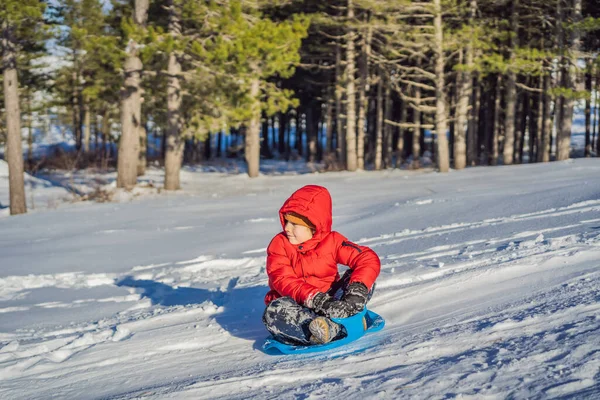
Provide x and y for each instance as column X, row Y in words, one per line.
column 356, row 296
column 323, row 304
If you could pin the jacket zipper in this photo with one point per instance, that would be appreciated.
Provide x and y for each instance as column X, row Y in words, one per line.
column 348, row 244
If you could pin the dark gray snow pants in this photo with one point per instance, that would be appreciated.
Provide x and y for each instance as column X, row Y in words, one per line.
column 288, row 321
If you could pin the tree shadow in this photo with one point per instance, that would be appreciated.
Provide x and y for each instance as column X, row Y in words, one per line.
column 242, row 306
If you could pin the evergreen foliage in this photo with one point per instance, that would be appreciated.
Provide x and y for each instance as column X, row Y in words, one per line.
column 317, row 75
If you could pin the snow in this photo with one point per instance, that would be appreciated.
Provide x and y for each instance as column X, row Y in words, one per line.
column 40, row 193
column 489, row 286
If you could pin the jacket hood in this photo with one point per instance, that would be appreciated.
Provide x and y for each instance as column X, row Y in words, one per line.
column 312, row 202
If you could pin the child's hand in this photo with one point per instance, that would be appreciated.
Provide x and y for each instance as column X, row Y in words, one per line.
column 323, row 303
column 356, row 296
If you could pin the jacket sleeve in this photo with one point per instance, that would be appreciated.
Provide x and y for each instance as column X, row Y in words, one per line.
column 363, row 261
column 282, row 276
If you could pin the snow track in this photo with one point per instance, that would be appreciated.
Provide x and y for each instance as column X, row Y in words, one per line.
column 501, row 302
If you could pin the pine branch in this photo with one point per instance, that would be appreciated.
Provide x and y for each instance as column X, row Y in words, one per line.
column 528, row 88
column 315, row 66
column 421, row 71
column 333, row 37
column 417, row 84
column 408, row 124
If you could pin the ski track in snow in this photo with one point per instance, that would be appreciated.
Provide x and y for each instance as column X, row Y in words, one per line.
column 541, row 342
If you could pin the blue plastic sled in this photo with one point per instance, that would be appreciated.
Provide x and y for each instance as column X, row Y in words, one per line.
column 354, row 327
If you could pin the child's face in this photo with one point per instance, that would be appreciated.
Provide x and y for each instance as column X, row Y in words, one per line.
column 297, row 234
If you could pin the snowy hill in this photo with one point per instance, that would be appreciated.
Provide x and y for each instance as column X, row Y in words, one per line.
column 489, row 285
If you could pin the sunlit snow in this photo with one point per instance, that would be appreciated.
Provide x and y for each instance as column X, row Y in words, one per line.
column 489, row 286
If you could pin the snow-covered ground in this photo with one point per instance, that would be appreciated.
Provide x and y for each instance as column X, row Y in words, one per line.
column 490, row 288
column 40, row 193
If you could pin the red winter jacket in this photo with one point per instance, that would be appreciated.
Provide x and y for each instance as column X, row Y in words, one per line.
column 300, row 271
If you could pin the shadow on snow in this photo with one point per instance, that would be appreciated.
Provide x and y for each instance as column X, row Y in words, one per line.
column 242, row 307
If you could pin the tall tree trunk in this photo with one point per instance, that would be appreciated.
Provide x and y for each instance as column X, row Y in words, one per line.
column 105, row 137
column 563, row 139
column 14, row 149
column 131, row 108
column 274, row 136
column 563, row 135
column 473, row 131
column 100, row 138
column 143, row 149
column 544, row 152
column 422, row 143
column 299, row 128
column 281, row 130
column 533, row 123
column 351, row 161
column 371, row 131
column 264, row 135
column 460, row 131
column 208, row 147
column 511, row 90
column 265, row 140
column 319, row 125
column 379, row 123
column 87, row 132
column 539, row 138
column 520, row 116
column 400, row 142
column 328, row 127
column 76, row 108
column 523, row 110
column 387, row 129
column 416, row 141
column 597, row 127
column 311, row 133
column 175, row 143
column 284, row 135
column 29, row 131
column 288, row 142
column 496, row 135
column 219, row 144
column 96, row 133
column 588, row 108
column 339, row 122
column 559, row 75
column 441, row 119
column 451, row 105
column 464, row 93
column 596, row 111
column 363, row 101
column 488, row 131
column 558, row 111
column 252, row 149
column 509, row 119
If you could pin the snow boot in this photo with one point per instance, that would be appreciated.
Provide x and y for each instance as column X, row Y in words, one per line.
column 323, row 330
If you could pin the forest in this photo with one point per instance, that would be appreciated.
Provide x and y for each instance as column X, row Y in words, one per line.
column 352, row 84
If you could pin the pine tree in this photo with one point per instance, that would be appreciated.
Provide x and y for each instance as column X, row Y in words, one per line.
column 465, row 88
column 20, row 21
column 174, row 145
column 89, row 80
column 131, row 100
column 569, row 76
column 255, row 49
column 34, row 81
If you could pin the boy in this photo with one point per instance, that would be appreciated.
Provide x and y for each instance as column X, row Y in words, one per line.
column 306, row 288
